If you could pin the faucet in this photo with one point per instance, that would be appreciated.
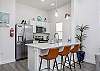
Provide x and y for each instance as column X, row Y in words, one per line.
column 57, row 40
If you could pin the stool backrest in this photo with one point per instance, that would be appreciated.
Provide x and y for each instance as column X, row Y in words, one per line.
column 75, row 49
column 53, row 53
column 66, row 50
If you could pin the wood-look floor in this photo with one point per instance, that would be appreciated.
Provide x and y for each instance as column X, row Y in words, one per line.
column 22, row 66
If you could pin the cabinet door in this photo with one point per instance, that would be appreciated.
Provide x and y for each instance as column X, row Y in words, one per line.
column 34, row 28
column 44, row 24
column 38, row 23
column 47, row 27
column 34, row 25
column 41, row 24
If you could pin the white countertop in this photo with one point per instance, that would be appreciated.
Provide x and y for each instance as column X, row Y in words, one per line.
column 48, row 45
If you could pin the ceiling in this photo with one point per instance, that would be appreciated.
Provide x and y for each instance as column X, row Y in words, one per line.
column 46, row 5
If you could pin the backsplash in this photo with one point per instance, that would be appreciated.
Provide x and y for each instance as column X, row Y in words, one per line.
column 41, row 36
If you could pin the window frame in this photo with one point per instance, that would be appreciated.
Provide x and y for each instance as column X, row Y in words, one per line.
column 60, row 31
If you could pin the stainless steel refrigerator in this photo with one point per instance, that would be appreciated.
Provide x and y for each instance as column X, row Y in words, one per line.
column 23, row 35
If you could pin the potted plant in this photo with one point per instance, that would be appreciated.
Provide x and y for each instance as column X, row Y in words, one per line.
column 80, row 36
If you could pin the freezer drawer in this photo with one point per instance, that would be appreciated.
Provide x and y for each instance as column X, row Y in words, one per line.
column 21, row 52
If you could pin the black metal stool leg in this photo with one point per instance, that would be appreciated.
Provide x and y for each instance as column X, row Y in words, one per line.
column 70, row 59
column 69, row 62
column 40, row 64
column 80, row 64
column 63, row 67
column 74, row 60
column 61, row 61
column 48, row 65
column 56, row 64
column 64, row 64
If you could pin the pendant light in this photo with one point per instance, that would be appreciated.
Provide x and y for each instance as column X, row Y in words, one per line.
column 56, row 11
column 67, row 16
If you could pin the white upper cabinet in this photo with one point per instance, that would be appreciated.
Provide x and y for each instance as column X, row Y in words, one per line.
column 34, row 26
column 40, row 24
column 47, row 27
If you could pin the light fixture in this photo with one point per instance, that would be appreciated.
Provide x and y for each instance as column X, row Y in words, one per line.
column 42, row 0
column 56, row 11
column 52, row 4
column 67, row 16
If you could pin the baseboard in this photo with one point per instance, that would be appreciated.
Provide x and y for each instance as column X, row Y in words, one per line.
column 88, row 61
column 7, row 61
column 21, row 59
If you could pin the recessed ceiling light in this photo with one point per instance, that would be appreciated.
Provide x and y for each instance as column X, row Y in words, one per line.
column 52, row 4
column 42, row 0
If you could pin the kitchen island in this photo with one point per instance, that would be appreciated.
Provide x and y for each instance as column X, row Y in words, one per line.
column 34, row 50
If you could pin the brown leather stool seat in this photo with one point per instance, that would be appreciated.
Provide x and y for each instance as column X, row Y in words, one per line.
column 65, row 53
column 52, row 54
column 73, row 52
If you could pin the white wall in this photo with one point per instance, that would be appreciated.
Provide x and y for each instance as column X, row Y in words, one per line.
column 86, row 12
column 99, row 9
column 52, row 19
column 25, row 12
column 7, row 44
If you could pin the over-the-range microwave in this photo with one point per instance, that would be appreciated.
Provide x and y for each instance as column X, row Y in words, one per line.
column 40, row 29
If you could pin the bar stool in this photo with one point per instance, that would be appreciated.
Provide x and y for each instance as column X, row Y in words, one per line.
column 52, row 54
column 65, row 53
column 73, row 52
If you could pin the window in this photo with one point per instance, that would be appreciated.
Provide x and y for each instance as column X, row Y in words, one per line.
column 59, row 29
